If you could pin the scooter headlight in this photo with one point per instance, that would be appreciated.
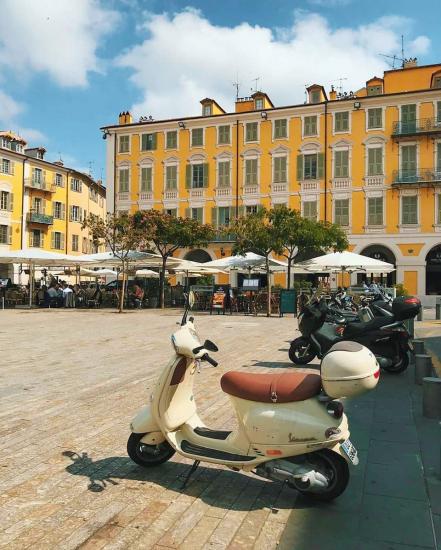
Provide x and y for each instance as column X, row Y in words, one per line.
column 173, row 341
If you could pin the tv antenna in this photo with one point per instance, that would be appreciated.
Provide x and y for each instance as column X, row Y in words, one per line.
column 91, row 167
column 395, row 57
column 340, row 80
column 237, row 85
column 256, row 82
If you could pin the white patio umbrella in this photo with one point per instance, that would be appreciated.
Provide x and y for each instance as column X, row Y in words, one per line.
column 345, row 261
column 147, row 274
column 249, row 260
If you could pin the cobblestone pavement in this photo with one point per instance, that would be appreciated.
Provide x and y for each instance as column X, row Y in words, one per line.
column 70, row 382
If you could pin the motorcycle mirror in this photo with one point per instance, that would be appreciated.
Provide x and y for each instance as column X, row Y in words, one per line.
column 211, row 346
column 191, row 299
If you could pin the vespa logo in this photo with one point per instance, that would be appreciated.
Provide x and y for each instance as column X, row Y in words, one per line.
column 293, row 439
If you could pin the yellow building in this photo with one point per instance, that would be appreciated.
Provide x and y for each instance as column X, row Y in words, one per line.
column 370, row 161
column 43, row 204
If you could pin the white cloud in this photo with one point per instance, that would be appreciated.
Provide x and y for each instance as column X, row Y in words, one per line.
column 10, row 111
column 184, row 58
column 58, row 37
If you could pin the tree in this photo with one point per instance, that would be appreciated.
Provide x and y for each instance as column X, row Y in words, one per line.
column 257, row 233
column 121, row 235
column 167, row 234
column 299, row 236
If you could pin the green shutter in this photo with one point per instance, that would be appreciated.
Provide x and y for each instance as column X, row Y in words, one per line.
column 214, row 213
column 188, row 212
column 300, row 167
column 188, row 176
column 154, row 140
column 242, row 210
column 320, row 165
column 205, row 174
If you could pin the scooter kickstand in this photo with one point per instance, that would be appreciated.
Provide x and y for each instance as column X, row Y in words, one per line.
column 190, row 473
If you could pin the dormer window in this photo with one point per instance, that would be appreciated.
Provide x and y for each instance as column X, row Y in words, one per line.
column 206, row 110
column 376, row 89
column 258, row 103
column 314, row 96
column 436, row 81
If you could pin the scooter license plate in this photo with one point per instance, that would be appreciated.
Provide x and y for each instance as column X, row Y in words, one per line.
column 350, row 451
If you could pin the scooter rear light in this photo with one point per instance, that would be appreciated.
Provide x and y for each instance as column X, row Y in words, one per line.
column 377, row 374
column 339, row 331
column 335, row 408
column 273, row 452
column 412, row 300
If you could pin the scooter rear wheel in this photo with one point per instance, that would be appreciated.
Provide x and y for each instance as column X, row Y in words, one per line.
column 148, row 455
column 300, row 351
column 400, row 366
column 335, row 468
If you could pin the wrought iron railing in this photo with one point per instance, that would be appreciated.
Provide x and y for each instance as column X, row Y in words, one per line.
column 422, row 175
column 38, row 217
column 417, row 126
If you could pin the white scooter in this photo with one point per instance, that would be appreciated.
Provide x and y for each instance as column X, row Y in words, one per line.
column 290, row 427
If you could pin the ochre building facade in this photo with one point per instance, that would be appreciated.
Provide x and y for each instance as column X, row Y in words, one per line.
column 370, row 161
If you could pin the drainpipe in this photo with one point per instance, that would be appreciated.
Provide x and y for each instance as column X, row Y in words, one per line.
column 325, row 160
column 114, row 173
column 237, row 169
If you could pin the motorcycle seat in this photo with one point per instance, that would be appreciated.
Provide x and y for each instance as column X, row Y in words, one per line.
column 356, row 329
column 272, row 388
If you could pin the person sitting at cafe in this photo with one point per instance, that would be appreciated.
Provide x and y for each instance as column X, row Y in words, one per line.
column 43, row 296
column 136, row 296
column 68, row 300
column 55, row 295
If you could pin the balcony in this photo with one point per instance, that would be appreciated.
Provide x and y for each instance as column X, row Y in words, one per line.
column 412, row 128
column 125, row 196
column 251, row 190
column 309, row 185
column 223, row 192
column 146, row 196
column 423, row 175
column 170, row 195
column 41, row 185
column 224, row 238
column 197, row 193
column 38, row 217
column 374, row 181
column 277, row 188
column 341, row 183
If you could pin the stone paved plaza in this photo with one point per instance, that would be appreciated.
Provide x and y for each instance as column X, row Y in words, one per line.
column 70, row 382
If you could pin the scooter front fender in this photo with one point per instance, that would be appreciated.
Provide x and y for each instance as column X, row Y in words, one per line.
column 144, row 422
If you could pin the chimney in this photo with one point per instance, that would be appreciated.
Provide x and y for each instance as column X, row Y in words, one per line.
column 59, row 162
column 332, row 94
column 410, row 63
column 125, row 118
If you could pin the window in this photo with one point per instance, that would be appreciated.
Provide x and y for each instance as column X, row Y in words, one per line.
column 341, row 164
column 197, row 214
column 251, row 209
column 148, row 142
column 206, row 111
column 438, row 218
column 223, row 215
column 375, row 90
column 375, row 118
column 310, row 170
column 310, row 210
column 171, row 177
column 223, row 174
column 341, row 212
column 251, row 130
column 58, row 210
column 171, row 212
column 197, row 137
column 146, row 178
column 437, row 82
column 124, row 144
column 438, row 160
column 409, row 210
column 36, row 238
column 57, row 240
column 250, row 171
column 223, row 135
column 4, row 234
column 38, row 205
column 6, row 166
column 59, row 180
column 280, row 129
column 315, row 96
column 75, row 243
column 438, row 112
column 37, row 175
column 279, row 175
column 375, row 211
column 310, row 126
column 76, row 214
column 259, row 103
column 76, row 185
column 6, row 201
column 172, row 140
column 197, row 177
column 408, row 162
column 123, row 180
column 408, row 118
column 375, row 161
column 341, row 122
column 84, row 245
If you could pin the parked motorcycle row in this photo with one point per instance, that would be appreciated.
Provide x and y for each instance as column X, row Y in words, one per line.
column 290, row 427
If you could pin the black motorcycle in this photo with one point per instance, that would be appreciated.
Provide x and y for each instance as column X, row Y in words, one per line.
column 385, row 336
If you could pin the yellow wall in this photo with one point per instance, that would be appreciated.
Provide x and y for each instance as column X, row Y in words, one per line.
column 411, row 281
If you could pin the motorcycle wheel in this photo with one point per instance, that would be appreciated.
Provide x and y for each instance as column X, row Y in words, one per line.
column 148, row 455
column 400, row 366
column 335, row 468
column 299, row 352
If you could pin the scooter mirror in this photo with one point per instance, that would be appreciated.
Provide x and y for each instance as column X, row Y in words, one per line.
column 191, row 299
column 211, row 346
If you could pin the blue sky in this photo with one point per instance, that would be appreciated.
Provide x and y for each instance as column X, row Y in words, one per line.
column 68, row 67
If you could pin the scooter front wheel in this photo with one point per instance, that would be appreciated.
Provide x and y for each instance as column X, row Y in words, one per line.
column 334, row 468
column 148, row 455
column 400, row 366
column 301, row 351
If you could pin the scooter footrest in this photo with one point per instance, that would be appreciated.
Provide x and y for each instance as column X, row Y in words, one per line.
column 212, row 434
column 198, row 450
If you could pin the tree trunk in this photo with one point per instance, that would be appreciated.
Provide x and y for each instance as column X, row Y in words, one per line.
column 288, row 282
column 162, row 283
column 268, row 278
column 123, row 287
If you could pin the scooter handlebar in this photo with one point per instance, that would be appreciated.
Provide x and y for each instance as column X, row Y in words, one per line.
column 209, row 359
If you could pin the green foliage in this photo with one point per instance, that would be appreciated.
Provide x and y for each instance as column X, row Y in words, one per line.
column 401, row 290
column 302, row 285
column 206, row 280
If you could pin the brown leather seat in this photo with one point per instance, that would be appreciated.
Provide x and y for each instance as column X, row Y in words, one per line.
column 272, row 388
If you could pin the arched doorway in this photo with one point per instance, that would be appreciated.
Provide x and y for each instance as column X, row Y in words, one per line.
column 198, row 255
column 433, row 271
column 383, row 254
